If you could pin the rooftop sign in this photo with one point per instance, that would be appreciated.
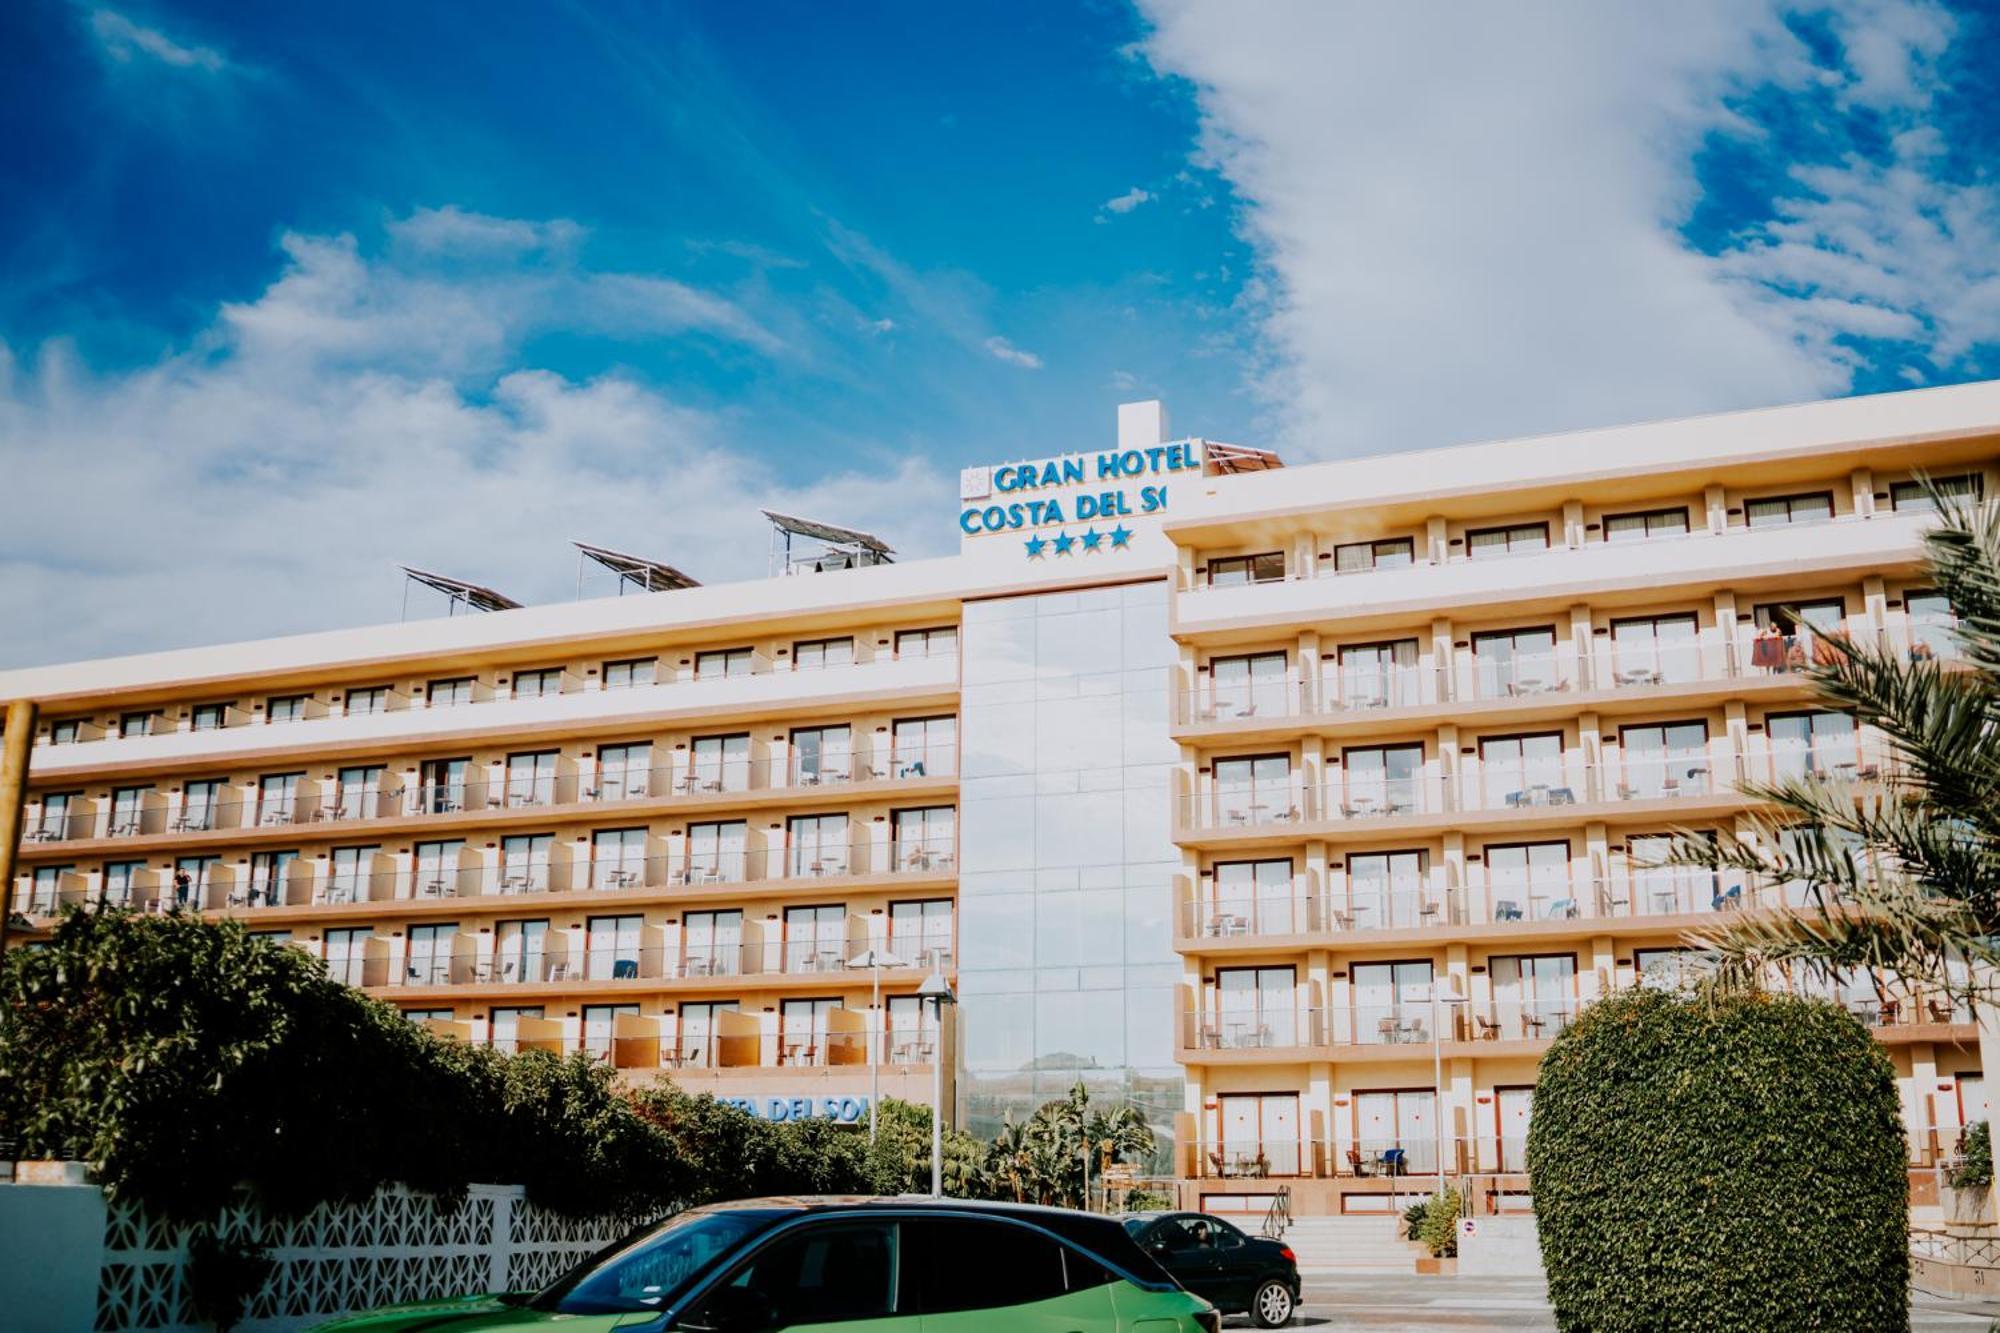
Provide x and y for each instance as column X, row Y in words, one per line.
column 1073, row 504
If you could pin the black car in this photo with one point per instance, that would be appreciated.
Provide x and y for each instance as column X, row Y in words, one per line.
column 1237, row 1274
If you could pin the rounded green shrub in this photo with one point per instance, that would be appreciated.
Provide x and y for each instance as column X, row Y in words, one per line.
column 1720, row 1162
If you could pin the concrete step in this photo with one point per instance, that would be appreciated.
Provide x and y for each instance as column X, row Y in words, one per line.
column 1350, row 1244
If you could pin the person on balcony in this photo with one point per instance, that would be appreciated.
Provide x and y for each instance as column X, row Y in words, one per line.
column 183, row 886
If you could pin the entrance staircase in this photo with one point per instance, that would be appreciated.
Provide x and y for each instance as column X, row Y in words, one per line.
column 1329, row 1245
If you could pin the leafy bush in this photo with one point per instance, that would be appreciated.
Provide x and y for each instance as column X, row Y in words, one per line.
column 1413, row 1219
column 1439, row 1226
column 1976, row 1170
column 1147, row 1201
column 223, row 1275
column 1721, row 1162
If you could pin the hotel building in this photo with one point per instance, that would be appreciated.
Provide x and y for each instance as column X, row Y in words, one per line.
column 1301, row 806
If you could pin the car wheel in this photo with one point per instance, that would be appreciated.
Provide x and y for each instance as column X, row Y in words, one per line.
column 1272, row 1306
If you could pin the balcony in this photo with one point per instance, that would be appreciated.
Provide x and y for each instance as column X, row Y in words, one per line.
column 766, row 690
column 1841, row 547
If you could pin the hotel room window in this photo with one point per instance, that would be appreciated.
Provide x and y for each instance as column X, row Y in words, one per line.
column 367, row 699
column 47, row 889
column 634, row 671
column 136, row 724
column 208, row 717
column 922, row 747
column 722, row 662
column 535, row 684
column 1775, row 511
column 285, row 708
column 67, row 732
column 1484, row 543
column 810, row 653
column 449, row 693
column 1390, row 553
column 1233, row 571
column 1910, row 497
column 942, row 642
column 120, row 879
column 1651, row 523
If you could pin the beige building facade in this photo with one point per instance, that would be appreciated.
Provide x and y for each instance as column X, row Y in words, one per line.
column 1301, row 805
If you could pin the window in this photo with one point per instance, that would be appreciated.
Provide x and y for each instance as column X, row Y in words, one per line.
column 136, row 724
column 121, row 882
column 804, row 1032
column 719, row 763
column 920, row 932
column 1395, row 1131
column 348, row 879
column 1650, row 523
column 1655, row 650
column 1530, row 881
column 531, row 777
column 431, row 1015
column 1391, row 553
column 1252, row 1008
column 1533, row 997
column 1774, row 511
column 613, row 947
column 520, row 951
column 622, row 771
column 926, row 839
column 286, row 708
column 718, row 663
column 811, row 653
column 47, row 895
column 1232, row 571
column 367, row 699
column 1244, row 686
column 618, row 858
column 437, row 868
column 431, row 949
column 699, row 1035
column 280, row 801
column 134, row 810
column 347, row 954
column 1253, row 898
column 821, row 754
column 1933, row 625
column 201, row 806
column 538, row 683
column 1381, row 780
column 1516, row 662
column 600, row 1026
column 269, row 872
column 358, row 792
column 52, row 821
column 818, row 844
column 1666, row 890
column 441, row 786
column 1392, row 1002
column 650, row 1272
column 1251, row 789
column 1515, row 538
column 524, row 862
column 1910, row 497
column 712, row 944
column 1387, row 890
column 69, row 731
column 209, row 717
column 1256, row 1134
column 1666, row 759
column 941, row 642
column 504, row 1032
column 1668, row 969
column 716, row 853
column 1524, row 771
column 1820, row 744
column 820, row 1273
column 449, row 693
column 1378, row 675
column 1016, row 1266
column 922, row 747
column 911, row 1028
column 1785, row 642
column 630, row 672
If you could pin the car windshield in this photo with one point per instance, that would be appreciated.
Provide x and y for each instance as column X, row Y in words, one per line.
column 648, row 1269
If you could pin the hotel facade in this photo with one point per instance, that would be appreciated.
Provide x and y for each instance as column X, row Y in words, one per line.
column 1300, row 806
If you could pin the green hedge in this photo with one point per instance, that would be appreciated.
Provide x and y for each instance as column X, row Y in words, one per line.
column 1721, row 1162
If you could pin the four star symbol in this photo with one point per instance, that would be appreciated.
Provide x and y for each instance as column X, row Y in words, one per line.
column 1091, row 539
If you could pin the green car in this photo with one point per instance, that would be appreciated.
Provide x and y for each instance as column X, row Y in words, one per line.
column 856, row 1265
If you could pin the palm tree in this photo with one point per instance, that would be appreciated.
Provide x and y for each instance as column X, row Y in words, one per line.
column 1901, row 871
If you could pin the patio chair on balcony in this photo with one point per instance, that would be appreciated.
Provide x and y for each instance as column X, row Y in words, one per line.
column 1394, row 1161
column 1506, row 909
column 1729, row 897
column 625, row 969
column 1562, row 909
column 1389, row 1029
column 1889, row 1013
column 1489, row 1030
column 1356, row 1163
column 1940, row 1010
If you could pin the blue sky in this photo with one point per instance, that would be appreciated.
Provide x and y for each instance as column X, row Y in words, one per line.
column 291, row 293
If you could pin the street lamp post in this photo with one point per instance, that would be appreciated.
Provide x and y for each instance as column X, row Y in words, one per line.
column 875, row 960
column 1438, row 1002
column 936, row 990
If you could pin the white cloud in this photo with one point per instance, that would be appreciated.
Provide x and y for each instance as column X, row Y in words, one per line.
column 363, row 412
column 1128, row 201
column 1012, row 355
column 1468, row 219
column 1124, row 380
column 122, row 40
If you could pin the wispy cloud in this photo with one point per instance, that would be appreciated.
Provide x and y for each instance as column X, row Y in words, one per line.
column 1127, row 201
column 1014, row 356
column 368, row 408
column 124, row 41
column 1500, row 202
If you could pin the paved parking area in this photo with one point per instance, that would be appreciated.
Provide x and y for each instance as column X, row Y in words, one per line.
column 1470, row 1304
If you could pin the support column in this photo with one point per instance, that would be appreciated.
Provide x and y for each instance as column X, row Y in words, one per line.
column 16, row 749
